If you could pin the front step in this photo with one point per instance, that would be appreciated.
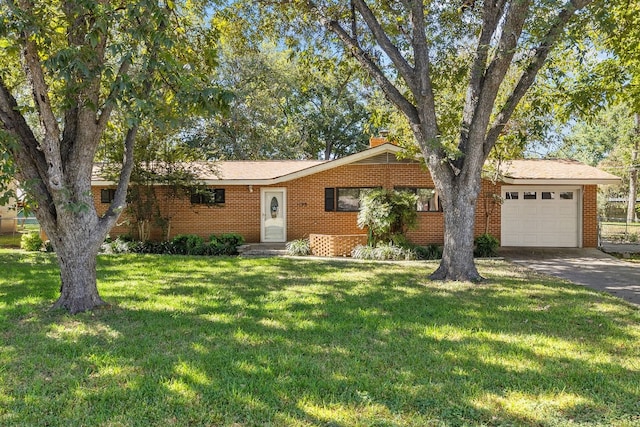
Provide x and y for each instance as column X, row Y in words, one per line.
column 262, row 250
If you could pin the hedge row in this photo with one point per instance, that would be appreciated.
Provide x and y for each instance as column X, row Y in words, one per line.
column 184, row 244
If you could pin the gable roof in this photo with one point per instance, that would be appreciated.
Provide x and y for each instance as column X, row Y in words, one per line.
column 555, row 171
column 271, row 172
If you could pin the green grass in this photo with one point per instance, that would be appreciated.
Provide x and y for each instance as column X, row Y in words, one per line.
column 10, row 240
column 294, row 342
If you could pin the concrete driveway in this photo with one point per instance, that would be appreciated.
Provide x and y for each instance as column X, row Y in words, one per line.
column 589, row 267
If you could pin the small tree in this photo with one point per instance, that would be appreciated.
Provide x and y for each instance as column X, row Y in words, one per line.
column 387, row 214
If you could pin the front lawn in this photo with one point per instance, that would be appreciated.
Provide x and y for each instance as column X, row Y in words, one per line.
column 295, row 342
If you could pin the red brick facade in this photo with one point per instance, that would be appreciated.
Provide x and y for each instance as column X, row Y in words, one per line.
column 306, row 210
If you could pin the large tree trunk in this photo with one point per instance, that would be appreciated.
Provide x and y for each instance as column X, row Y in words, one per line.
column 459, row 203
column 76, row 237
column 79, row 291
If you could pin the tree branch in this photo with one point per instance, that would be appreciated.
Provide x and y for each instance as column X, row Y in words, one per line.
column 406, row 71
column 527, row 78
column 372, row 67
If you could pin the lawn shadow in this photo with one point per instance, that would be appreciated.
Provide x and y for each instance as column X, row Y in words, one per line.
column 297, row 342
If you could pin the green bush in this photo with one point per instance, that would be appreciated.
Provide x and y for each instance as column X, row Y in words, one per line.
column 486, row 246
column 383, row 252
column 224, row 244
column 184, row 244
column 31, row 241
column 387, row 214
column 429, row 252
column 299, row 247
column 188, row 244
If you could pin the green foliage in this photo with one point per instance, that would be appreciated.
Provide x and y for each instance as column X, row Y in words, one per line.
column 486, row 246
column 283, row 105
column 298, row 247
column 185, row 244
column 31, row 241
column 188, row 244
column 430, row 252
column 383, row 252
column 387, row 214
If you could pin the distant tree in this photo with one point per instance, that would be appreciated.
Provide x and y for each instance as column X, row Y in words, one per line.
column 286, row 104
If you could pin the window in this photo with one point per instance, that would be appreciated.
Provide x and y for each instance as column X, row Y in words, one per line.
column 511, row 195
column 566, row 195
column 349, row 198
column 548, row 195
column 343, row 199
column 529, row 195
column 208, row 197
column 107, row 195
column 428, row 200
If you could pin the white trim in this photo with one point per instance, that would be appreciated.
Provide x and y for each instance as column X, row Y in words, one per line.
column 551, row 181
column 263, row 217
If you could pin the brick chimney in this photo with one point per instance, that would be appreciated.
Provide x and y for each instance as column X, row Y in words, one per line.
column 374, row 141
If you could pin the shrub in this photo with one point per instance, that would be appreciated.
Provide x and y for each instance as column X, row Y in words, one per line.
column 188, row 244
column 486, row 246
column 117, row 246
column 31, row 241
column 383, row 252
column 224, row 244
column 387, row 214
column 431, row 251
column 299, row 247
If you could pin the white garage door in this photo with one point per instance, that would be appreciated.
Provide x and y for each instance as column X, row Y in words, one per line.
column 540, row 216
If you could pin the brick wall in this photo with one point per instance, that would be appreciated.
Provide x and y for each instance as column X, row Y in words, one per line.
column 590, row 216
column 305, row 207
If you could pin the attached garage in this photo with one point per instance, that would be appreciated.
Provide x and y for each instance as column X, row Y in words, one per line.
column 541, row 216
column 550, row 203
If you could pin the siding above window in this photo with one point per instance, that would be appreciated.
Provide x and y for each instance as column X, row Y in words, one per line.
column 209, row 197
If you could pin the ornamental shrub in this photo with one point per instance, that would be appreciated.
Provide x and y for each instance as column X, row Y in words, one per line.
column 383, row 252
column 429, row 252
column 31, row 241
column 387, row 214
column 486, row 246
column 299, row 247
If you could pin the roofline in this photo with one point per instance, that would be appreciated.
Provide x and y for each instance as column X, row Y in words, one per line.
column 321, row 167
column 552, row 181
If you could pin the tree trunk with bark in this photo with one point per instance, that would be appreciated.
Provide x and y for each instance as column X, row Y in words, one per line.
column 79, row 291
column 459, row 219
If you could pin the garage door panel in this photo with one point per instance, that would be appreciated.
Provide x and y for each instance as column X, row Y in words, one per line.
column 550, row 221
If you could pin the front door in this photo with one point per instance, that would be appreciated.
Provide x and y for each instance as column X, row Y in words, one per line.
column 274, row 215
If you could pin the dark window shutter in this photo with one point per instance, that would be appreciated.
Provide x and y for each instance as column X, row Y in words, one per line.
column 329, row 199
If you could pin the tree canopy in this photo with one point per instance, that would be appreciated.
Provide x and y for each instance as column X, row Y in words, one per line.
column 69, row 68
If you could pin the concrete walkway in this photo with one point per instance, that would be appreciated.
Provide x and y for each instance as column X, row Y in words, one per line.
column 589, row 267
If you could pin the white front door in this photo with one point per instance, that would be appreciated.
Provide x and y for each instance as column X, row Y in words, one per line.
column 274, row 215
